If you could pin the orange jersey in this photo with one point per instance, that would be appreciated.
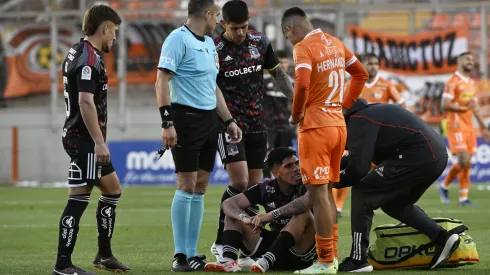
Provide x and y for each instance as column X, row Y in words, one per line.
column 320, row 101
column 380, row 91
column 461, row 90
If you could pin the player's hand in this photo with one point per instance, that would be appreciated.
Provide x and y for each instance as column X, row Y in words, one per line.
column 235, row 133
column 169, row 137
column 486, row 135
column 262, row 219
column 102, row 154
column 295, row 120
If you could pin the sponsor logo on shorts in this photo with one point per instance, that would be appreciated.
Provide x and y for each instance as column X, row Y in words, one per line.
column 322, row 173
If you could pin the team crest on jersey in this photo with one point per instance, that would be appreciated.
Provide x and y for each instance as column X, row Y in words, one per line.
column 254, row 53
column 378, row 94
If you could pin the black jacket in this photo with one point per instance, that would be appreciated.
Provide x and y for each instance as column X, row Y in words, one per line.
column 379, row 132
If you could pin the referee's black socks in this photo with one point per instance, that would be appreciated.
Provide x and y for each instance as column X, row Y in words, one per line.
column 106, row 217
column 230, row 192
column 68, row 228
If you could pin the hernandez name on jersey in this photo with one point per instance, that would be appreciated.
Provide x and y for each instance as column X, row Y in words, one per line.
column 241, row 78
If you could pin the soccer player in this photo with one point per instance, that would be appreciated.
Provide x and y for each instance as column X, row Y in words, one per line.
column 376, row 90
column 290, row 244
column 277, row 109
column 320, row 64
column 84, row 140
column 190, row 104
column 243, row 55
column 460, row 103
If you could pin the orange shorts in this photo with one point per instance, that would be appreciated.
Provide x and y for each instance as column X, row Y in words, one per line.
column 320, row 151
column 462, row 141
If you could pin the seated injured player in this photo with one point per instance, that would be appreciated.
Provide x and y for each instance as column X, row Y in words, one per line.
column 290, row 242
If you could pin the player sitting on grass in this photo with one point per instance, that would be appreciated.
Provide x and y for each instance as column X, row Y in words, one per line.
column 290, row 242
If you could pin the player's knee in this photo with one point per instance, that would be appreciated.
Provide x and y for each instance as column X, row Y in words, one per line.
column 239, row 185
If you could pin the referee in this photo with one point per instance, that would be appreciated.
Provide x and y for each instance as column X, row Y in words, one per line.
column 190, row 103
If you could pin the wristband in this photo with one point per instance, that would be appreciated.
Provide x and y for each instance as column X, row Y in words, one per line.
column 166, row 113
column 229, row 121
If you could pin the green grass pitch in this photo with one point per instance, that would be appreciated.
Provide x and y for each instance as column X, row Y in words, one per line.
column 143, row 233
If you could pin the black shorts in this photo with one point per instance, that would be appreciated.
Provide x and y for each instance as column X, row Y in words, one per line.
column 197, row 138
column 84, row 169
column 399, row 182
column 290, row 260
column 252, row 149
column 279, row 138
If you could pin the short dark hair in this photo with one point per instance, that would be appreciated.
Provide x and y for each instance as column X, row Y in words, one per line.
column 278, row 155
column 463, row 54
column 367, row 56
column 235, row 11
column 197, row 7
column 97, row 15
column 295, row 11
column 281, row 54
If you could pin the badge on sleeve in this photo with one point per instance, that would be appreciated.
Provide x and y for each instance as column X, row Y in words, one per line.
column 86, row 73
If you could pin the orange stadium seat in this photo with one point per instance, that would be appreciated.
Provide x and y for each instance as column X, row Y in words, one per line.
column 439, row 21
column 461, row 20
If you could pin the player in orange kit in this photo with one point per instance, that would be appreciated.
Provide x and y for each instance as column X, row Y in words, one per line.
column 320, row 63
column 376, row 90
column 461, row 104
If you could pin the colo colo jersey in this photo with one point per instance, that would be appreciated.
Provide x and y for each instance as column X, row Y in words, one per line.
column 269, row 195
column 241, row 77
column 461, row 90
column 84, row 71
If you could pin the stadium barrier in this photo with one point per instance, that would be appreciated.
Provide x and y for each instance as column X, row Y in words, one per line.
column 137, row 163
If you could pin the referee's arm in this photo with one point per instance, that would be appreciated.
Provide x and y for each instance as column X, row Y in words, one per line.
column 221, row 107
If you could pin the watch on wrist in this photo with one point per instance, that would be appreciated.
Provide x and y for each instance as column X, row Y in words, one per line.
column 167, row 124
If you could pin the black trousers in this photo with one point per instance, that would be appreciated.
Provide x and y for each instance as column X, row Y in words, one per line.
column 394, row 186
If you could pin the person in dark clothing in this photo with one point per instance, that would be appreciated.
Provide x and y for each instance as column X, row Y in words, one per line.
column 409, row 156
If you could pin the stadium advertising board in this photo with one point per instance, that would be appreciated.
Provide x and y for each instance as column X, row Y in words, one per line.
column 137, row 163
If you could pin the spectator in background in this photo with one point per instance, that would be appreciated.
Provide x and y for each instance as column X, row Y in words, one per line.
column 277, row 110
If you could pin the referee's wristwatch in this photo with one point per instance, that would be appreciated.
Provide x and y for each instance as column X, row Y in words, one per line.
column 167, row 124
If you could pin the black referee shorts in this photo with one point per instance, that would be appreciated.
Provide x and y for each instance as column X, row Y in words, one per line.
column 197, row 138
column 399, row 182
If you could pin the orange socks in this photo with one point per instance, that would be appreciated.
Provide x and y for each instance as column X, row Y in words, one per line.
column 324, row 249
column 464, row 183
column 451, row 175
column 335, row 240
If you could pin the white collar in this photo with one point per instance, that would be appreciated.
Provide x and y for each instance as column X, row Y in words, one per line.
column 375, row 80
column 313, row 32
column 464, row 78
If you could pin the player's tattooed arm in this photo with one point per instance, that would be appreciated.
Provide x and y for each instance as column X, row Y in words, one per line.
column 283, row 82
column 234, row 208
column 296, row 207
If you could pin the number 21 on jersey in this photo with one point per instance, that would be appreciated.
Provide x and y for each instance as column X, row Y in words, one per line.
column 336, row 81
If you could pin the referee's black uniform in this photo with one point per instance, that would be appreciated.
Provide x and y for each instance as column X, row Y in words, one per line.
column 409, row 156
